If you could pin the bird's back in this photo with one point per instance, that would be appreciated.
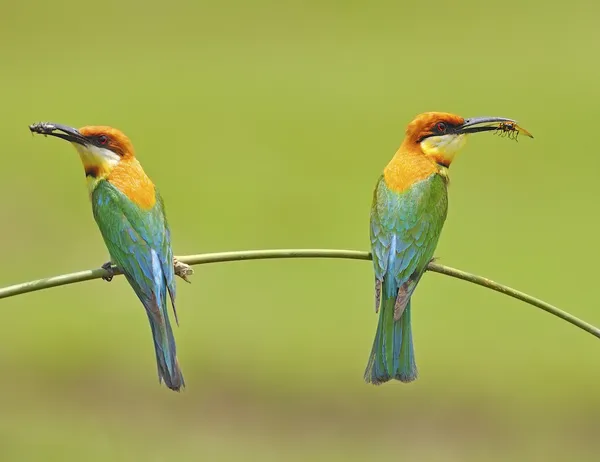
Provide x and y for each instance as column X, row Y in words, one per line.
column 411, row 221
column 138, row 241
column 405, row 228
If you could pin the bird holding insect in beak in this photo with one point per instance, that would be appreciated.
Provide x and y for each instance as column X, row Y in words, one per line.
column 130, row 214
column 408, row 211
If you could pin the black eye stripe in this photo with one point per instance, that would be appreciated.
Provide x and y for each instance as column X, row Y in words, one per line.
column 106, row 142
column 99, row 140
column 440, row 128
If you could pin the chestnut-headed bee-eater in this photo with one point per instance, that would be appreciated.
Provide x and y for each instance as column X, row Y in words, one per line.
column 130, row 214
column 408, row 211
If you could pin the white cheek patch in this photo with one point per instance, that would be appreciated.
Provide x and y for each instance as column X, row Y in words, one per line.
column 445, row 146
column 91, row 154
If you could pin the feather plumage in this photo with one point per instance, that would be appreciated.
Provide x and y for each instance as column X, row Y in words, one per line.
column 139, row 243
column 405, row 228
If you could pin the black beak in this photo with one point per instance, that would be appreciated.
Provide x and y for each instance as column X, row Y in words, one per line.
column 60, row 131
column 482, row 124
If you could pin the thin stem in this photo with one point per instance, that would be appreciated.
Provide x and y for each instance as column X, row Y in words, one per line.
column 488, row 283
column 220, row 257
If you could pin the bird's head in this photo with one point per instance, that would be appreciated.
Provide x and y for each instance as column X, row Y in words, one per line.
column 101, row 148
column 440, row 135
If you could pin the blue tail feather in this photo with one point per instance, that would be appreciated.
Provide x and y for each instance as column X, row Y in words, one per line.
column 162, row 335
column 165, row 350
column 392, row 355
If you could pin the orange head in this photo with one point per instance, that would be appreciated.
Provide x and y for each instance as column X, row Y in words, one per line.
column 101, row 148
column 108, row 138
column 440, row 135
column 107, row 154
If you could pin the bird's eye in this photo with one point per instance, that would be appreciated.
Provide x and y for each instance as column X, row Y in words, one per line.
column 441, row 127
column 103, row 139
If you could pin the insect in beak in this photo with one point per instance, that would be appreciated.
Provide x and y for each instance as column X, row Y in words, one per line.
column 511, row 130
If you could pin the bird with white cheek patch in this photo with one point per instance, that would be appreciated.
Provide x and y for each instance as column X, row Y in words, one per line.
column 408, row 212
column 130, row 214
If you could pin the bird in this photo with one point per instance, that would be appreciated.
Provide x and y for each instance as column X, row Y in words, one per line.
column 409, row 207
column 130, row 213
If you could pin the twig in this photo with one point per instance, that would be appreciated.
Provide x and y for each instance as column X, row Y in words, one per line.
column 183, row 270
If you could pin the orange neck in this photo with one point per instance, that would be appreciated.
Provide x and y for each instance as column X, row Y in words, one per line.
column 129, row 178
column 408, row 167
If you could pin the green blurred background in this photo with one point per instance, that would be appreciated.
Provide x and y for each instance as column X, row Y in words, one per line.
column 265, row 125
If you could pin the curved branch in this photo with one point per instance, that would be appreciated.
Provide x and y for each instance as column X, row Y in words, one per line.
column 183, row 271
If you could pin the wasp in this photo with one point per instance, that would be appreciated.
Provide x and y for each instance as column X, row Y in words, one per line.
column 43, row 128
column 511, row 130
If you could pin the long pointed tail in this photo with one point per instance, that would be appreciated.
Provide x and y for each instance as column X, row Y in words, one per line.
column 164, row 346
column 392, row 356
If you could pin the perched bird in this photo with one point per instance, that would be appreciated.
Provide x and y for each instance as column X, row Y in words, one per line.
column 409, row 209
column 130, row 214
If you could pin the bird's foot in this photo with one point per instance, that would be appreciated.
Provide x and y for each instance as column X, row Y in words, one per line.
column 182, row 270
column 109, row 269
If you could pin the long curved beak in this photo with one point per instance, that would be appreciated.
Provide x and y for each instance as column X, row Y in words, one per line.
column 483, row 124
column 60, row 131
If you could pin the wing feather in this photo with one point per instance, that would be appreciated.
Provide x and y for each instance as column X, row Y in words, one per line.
column 405, row 228
column 138, row 241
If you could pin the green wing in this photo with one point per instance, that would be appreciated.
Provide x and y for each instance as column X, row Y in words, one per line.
column 405, row 228
column 135, row 239
column 139, row 243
